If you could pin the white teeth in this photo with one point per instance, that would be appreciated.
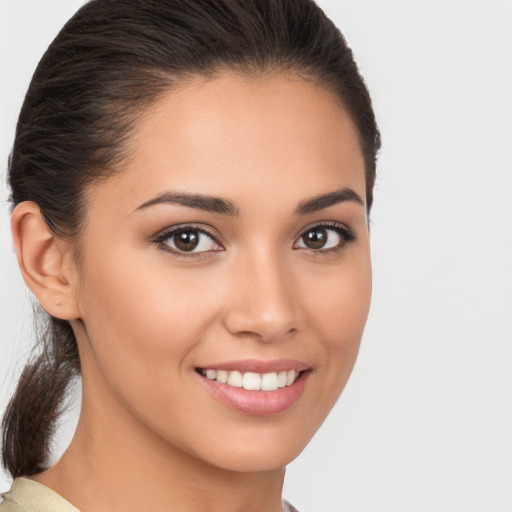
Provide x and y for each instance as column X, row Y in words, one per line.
column 222, row 376
column 253, row 381
column 281, row 379
column 235, row 379
column 269, row 382
column 290, row 377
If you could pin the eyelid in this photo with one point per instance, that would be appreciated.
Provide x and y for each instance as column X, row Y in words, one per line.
column 347, row 234
column 164, row 234
column 332, row 224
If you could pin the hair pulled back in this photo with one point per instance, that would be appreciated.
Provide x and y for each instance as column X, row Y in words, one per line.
column 109, row 63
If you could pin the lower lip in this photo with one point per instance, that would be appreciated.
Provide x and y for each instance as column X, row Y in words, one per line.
column 258, row 403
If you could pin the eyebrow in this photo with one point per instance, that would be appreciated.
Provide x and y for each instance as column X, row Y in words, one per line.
column 330, row 199
column 226, row 207
column 198, row 201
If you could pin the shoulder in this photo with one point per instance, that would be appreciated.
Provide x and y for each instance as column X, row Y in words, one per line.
column 29, row 496
column 287, row 507
column 10, row 506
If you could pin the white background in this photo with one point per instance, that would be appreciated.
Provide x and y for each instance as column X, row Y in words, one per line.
column 425, row 423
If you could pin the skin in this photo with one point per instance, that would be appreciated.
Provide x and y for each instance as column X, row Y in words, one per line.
column 150, row 435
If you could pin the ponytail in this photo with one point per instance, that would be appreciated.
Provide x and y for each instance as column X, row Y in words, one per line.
column 30, row 419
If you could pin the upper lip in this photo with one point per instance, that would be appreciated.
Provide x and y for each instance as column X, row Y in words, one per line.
column 258, row 366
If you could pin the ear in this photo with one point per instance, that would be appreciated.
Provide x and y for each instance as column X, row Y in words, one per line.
column 45, row 261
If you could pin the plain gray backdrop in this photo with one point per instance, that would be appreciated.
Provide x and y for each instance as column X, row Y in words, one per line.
column 425, row 423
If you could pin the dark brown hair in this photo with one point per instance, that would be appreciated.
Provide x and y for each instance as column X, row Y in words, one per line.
column 109, row 63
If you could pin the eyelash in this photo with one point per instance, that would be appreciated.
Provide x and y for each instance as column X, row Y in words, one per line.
column 161, row 238
column 346, row 234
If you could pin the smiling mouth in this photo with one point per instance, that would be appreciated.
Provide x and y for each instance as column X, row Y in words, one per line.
column 252, row 381
column 260, row 388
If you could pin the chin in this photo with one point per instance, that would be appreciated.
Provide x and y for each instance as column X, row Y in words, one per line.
column 259, row 454
column 262, row 461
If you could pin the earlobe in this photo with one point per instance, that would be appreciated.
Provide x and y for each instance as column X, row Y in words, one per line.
column 45, row 262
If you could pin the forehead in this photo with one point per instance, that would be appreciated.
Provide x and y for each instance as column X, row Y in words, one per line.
column 276, row 137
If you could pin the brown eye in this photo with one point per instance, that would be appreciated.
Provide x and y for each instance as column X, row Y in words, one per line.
column 315, row 238
column 188, row 240
column 322, row 238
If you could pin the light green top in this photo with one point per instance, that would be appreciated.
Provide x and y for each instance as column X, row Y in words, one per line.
column 29, row 496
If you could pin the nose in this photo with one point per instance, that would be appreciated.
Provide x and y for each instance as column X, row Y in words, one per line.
column 263, row 305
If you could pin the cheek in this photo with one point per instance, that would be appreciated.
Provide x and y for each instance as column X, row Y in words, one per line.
column 339, row 299
column 143, row 321
column 137, row 299
column 337, row 311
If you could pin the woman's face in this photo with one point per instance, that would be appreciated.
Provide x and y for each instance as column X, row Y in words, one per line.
column 232, row 251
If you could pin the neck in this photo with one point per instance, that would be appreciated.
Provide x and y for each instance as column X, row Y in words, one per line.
column 113, row 463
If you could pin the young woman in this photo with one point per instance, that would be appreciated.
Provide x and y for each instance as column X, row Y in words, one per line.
column 191, row 184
